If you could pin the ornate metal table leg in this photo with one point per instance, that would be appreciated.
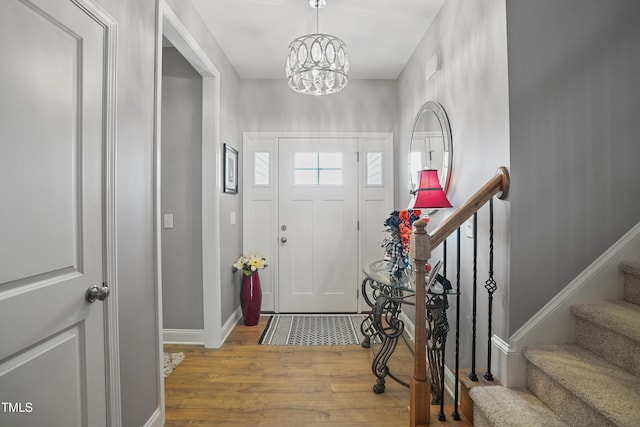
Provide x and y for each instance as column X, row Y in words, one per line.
column 366, row 331
column 367, row 327
column 385, row 318
column 437, row 329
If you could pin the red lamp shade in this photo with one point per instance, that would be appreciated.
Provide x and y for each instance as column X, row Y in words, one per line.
column 429, row 193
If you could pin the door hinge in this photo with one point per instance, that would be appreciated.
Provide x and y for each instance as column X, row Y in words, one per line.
column 357, row 156
column 358, row 225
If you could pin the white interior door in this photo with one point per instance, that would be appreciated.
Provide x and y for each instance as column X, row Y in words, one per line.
column 52, row 352
column 318, row 230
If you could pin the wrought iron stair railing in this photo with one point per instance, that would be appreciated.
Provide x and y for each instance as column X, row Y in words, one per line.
column 422, row 245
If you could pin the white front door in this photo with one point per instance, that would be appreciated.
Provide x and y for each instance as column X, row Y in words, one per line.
column 318, row 234
column 52, row 341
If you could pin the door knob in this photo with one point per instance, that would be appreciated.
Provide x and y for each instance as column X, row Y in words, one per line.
column 97, row 293
column 283, row 239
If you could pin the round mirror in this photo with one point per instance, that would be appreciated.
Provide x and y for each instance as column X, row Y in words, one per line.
column 431, row 144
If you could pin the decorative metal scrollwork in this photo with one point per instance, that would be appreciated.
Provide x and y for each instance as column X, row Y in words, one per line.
column 383, row 323
column 437, row 330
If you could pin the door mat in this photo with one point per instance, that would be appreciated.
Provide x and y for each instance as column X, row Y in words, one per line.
column 171, row 362
column 290, row 329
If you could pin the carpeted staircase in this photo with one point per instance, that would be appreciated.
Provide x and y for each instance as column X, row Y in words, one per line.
column 593, row 382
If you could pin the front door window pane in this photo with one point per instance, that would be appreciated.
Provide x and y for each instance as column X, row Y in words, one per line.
column 318, row 168
column 330, row 177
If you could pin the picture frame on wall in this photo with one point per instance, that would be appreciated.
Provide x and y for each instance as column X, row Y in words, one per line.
column 230, row 169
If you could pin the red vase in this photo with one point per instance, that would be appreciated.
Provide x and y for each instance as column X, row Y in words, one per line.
column 251, row 298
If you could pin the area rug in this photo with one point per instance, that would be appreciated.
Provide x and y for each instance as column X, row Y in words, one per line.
column 289, row 329
column 170, row 361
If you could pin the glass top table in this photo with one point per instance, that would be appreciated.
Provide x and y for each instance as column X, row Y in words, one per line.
column 383, row 327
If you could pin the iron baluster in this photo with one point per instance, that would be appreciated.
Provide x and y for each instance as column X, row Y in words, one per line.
column 441, row 415
column 472, row 375
column 491, row 287
column 455, row 414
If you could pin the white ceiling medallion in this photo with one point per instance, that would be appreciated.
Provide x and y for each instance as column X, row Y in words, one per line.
column 317, row 64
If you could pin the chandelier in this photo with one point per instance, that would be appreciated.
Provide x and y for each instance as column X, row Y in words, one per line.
column 317, row 64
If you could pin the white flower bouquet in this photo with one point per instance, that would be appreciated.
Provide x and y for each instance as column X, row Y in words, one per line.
column 249, row 264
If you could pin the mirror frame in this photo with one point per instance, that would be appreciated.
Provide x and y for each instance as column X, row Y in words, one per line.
column 440, row 113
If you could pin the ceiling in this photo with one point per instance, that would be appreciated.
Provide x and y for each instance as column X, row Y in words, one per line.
column 380, row 35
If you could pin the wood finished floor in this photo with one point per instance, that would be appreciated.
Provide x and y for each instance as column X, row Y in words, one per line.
column 246, row 384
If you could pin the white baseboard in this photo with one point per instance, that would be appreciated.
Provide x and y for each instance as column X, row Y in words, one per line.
column 409, row 327
column 507, row 364
column 450, row 381
column 196, row 336
column 156, row 419
column 183, row 336
column 230, row 324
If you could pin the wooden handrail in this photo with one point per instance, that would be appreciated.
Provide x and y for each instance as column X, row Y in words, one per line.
column 421, row 246
column 498, row 185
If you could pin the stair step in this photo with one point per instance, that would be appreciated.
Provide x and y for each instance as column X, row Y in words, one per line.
column 631, row 270
column 499, row 406
column 466, row 384
column 583, row 388
column 610, row 330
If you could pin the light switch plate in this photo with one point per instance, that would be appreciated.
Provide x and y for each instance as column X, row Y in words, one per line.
column 469, row 228
column 167, row 221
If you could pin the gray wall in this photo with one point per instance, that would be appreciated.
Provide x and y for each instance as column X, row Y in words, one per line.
column 230, row 235
column 363, row 106
column 181, row 192
column 469, row 39
column 574, row 87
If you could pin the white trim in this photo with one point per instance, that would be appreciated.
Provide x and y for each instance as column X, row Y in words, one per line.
column 156, row 420
column 114, row 397
column 508, row 366
column 111, row 317
column 159, row 414
column 450, row 382
column 231, row 322
column 196, row 336
column 553, row 323
column 211, row 185
column 409, row 326
column 183, row 336
column 175, row 31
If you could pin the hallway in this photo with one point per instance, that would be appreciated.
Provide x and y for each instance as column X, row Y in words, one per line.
column 275, row 386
